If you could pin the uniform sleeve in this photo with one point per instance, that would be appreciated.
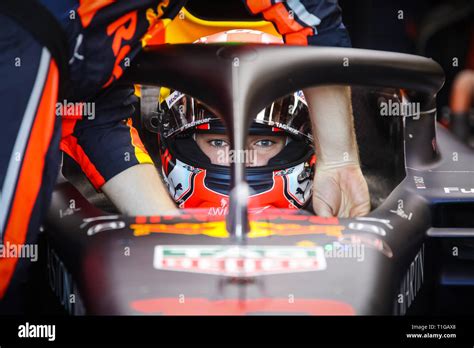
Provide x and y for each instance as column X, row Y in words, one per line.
column 103, row 141
column 304, row 22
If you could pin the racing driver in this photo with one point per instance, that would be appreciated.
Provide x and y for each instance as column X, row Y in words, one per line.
column 195, row 154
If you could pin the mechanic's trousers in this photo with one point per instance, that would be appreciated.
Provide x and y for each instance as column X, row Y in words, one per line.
column 29, row 154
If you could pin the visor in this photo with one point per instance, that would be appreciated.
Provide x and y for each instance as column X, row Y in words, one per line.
column 179, row 112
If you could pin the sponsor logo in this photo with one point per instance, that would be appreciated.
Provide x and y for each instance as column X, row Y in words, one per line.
column 173, row 98
column 265, row 229
column 411, row 283
column 458, row 189
column 28, row 330
column 419, row 182
column 284, row 127
column 122, row 30
column 219, row 211
column 214, row 229
column 287, row 171
column 238, row 261
column 258, row 229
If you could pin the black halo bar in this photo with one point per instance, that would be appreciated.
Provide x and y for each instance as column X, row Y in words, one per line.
column 237, row 81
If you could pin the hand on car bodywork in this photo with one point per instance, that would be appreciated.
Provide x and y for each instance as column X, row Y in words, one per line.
column 340, row 191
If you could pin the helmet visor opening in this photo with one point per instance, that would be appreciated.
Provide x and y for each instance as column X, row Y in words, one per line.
column 179, row 113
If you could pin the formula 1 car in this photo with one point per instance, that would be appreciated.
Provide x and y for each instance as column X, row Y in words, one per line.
column 410, row 254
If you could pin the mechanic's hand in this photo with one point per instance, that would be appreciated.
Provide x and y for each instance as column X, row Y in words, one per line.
column 340, row 190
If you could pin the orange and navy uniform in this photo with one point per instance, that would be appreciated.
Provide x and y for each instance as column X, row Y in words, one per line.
column 304, row 22
column 107, row 35
column 102, row 38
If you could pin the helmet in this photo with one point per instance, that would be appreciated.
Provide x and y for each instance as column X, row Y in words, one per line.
column 194, row 181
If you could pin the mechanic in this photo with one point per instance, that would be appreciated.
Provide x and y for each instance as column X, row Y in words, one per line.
column 89, row 43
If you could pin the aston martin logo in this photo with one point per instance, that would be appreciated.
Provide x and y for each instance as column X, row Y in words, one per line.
column 237, row 261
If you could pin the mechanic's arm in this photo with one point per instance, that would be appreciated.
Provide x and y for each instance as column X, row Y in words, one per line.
column 339, row 186
column 139, row 190
column 109, row 151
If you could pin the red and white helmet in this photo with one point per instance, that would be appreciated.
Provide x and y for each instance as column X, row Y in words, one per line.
column 194, row 182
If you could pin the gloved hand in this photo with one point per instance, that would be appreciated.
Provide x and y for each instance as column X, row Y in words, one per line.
column 340, row 190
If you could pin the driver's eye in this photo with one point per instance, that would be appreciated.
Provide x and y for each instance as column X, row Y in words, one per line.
column 264, row 143
column 218, row 143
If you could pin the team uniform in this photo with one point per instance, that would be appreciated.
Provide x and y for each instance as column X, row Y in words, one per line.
column 99, row 39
